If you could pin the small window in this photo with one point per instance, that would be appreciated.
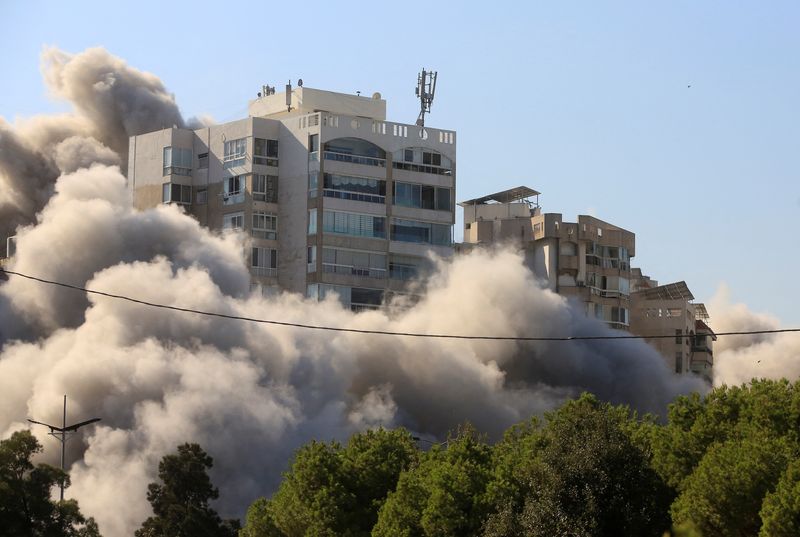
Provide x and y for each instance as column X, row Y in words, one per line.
column 679, row 362
column 313, row 143
column 265, row 188
column 408, row 155
column 235, row 152
column 233, row 221
column 201, row 196
column 678, row 335
column 202, row 160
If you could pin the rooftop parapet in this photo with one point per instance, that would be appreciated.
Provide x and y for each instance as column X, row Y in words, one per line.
column 302, row 100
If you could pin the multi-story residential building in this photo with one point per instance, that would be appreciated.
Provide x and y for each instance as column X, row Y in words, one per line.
column 333, row 197
column 665, row 310
column 587, row 260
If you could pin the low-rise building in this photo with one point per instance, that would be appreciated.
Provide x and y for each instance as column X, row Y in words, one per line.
column 587, row 261
column 684, row 338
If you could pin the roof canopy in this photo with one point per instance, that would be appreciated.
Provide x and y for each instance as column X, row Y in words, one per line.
column 700, row 312
column 506, row 196
column 670, row 291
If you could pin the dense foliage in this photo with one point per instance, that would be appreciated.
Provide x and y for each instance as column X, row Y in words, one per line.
column 26, row 507
column 180, row 501
column 722, row 465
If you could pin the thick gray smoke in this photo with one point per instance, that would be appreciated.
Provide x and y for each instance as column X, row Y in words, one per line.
column 739, row 359
column 112, row 101
column 251, row 393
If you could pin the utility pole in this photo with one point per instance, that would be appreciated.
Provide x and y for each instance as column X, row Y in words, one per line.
column 60, row 434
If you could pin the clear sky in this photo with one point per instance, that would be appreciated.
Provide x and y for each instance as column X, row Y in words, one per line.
column 679, row 121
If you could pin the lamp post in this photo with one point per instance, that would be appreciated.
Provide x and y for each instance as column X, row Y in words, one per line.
column 63, row 433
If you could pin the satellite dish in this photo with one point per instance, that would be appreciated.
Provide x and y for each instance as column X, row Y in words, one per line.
column 376, row 95
column 300, row 82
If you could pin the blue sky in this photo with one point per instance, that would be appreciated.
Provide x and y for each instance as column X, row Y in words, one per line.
column 587, row 102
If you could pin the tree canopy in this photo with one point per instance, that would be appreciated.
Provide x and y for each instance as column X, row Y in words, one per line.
column 26, row 507
column 181, row 501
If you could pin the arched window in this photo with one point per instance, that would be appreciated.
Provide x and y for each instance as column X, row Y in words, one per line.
column 355, row 147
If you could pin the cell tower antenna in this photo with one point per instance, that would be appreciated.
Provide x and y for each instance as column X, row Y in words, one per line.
column 426, row 88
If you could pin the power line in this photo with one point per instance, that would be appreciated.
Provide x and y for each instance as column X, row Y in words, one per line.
column 379, row 332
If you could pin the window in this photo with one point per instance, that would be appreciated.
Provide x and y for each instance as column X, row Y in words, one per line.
column 403, row 267
column 421, row 160
column 265, row 188
column 354, row 262
column 175, row 193
column 421, row 196
column 679, row 362
column 413, row 231
column 265, row 152
column 312, row 221
column 265, row 226
column 235, row 152
column 313, row 143
column 177, row 161
column 232, row 221
column 678, row 335
column 264, row 261
column 360, row 225
column 311, row 259
column 201, row 196
column 313, row 178
column 354, row 188
column 233, row 189
column 202, row 160
column 431, row 159
column 355, row 150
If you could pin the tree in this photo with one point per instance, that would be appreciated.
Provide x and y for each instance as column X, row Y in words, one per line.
column 580, row 474
column 334, row 490
column 25, row 505
column 780, row 512
column 724, row 495
column 180, row 502
column 444, row 494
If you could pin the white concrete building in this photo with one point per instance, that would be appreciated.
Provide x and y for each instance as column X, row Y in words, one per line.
column 334, row 197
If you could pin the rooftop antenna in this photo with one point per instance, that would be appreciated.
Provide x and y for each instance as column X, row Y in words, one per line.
column 64, row 433
column 289, row 96
column 426, row 87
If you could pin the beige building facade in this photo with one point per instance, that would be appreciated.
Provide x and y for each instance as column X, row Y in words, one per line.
column 685, row 339
column 333, row 198
column 587, row 260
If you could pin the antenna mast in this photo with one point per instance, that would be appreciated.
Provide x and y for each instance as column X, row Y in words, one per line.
column 426, row 87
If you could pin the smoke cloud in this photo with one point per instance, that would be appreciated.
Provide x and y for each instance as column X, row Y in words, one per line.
column 740, row 359
column 249, row 393
column 112, row 101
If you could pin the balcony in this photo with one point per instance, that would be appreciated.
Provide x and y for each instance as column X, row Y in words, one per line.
column 264, row 272
column 353, row 196
column 355, row 159
column 232, row 198
column 351, row 270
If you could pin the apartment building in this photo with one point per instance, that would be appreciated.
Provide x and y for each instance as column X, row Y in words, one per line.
column 587, row 260
column 668, row 309
column 334, row 198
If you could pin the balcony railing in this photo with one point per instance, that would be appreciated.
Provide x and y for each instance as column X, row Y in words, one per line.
column 424, row 168
column 232, row 198
column 351, row 270
column 264, row 271
column 355, row 159
column 353, row 196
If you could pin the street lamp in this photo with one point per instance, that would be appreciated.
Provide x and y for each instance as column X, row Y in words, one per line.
column 60, row 434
